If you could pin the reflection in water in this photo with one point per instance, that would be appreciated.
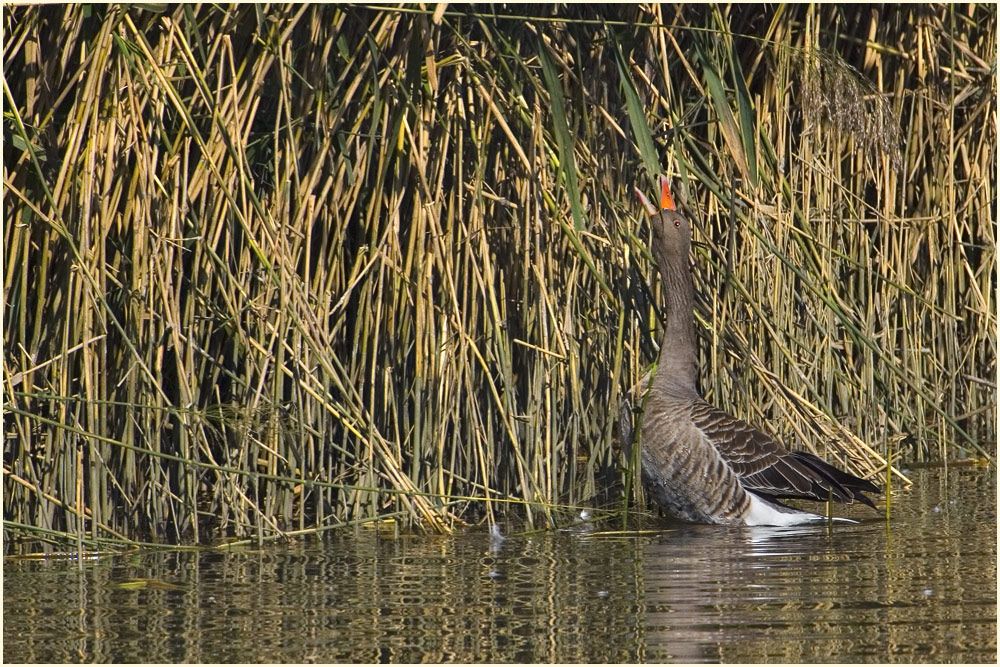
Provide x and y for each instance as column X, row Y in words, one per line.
column 923, row 591
column 763, row 595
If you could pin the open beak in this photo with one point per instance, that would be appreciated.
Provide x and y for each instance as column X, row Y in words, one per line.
column 666, row 199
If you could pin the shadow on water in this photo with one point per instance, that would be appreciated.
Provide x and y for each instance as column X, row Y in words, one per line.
column 921, row 588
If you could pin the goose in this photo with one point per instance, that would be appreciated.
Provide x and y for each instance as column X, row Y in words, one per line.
column 700, row 464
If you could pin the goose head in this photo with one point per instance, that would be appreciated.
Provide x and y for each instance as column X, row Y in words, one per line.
column 671, row 230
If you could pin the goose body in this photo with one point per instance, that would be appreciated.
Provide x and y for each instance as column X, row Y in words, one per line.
column 698, row 463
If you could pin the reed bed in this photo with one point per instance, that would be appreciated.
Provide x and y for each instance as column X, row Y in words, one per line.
column 271, row 269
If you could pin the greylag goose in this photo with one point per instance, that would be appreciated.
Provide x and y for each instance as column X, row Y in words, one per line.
column 698, row 463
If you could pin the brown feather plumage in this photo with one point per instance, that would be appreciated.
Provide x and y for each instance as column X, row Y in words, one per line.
column 699, row 463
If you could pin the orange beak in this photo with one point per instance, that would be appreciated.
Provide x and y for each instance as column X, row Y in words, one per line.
column 666, row 199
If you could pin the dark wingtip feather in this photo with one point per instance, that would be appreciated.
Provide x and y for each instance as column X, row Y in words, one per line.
column 849, row 487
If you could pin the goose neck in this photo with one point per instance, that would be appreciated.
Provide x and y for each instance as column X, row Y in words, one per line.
column 677, row 370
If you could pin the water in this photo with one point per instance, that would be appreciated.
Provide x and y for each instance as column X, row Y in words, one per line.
column 922, row 589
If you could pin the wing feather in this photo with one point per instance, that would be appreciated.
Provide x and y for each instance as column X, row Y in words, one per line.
column 767, row 468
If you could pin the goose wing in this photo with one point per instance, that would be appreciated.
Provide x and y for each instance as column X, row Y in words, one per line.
column 767, row 468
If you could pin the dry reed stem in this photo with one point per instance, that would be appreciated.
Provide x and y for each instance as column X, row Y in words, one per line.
column 270, row 270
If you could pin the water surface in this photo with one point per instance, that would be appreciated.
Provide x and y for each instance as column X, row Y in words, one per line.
column 921, row 588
